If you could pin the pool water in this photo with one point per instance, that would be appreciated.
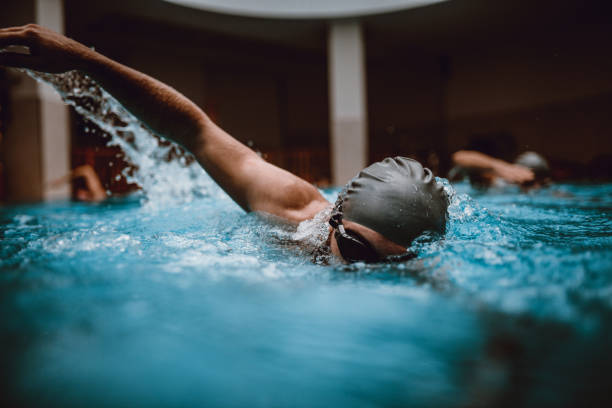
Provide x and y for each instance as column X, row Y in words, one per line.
column 178, row 298
column 198, row 303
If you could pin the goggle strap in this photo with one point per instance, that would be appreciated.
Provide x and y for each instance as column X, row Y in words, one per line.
column 336, row 220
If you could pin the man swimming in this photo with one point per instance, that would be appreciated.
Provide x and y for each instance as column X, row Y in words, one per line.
column 529, row 170
column 376, row 217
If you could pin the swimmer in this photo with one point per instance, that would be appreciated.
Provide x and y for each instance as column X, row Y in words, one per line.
column 93, row 190
column 529, row 170
column 376, row 217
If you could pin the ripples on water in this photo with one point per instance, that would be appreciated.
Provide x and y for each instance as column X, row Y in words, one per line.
column 188, row 301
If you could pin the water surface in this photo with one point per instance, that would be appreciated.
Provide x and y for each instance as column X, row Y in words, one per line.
column 199, row 303
column 178, row 298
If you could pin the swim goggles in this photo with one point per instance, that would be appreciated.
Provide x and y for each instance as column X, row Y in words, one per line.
column 352, row 246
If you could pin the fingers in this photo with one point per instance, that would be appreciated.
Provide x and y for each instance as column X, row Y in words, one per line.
column 524, row 173
column 23, row 28
column 10, row 29
column 16, row 36
column 515, row 173
column 524, row 176
column 16, row 60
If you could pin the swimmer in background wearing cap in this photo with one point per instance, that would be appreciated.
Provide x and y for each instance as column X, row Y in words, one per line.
column 375, row 219
column 530, row 170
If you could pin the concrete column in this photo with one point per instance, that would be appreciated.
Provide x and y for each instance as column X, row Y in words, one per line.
column 54, row 119
column 37, row 143
column 347, row 100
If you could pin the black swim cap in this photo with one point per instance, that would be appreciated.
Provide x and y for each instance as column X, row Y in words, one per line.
column 534, row 162
column 397, row 198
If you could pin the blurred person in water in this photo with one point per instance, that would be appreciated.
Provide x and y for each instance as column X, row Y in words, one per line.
column 487, row 162
column 375, row 218
column 90, row 189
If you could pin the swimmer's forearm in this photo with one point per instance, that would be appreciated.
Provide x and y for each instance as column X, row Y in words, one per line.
column 164, row 110
column 170, row 114
column 254, row 184
column 161, row 108
column 470, row 159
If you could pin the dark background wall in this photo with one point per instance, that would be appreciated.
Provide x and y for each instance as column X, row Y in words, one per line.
column 268, row 94
column 436, row 75
column 538, row 70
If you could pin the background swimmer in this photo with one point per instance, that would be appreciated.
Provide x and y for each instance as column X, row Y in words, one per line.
column 491, row 161
column 92, row 189
column 529, row 170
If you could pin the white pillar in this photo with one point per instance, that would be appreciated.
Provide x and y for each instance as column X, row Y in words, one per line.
column 347, row 100
column 54, row 126
column 37, row 144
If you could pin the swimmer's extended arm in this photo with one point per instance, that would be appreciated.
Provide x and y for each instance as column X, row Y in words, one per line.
column 474, row 160
column 252, row 182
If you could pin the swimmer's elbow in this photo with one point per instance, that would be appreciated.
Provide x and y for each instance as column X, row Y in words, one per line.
column 304, row 201
column 295, row 200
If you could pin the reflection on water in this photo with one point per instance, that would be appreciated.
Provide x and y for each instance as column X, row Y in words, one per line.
column 185, row 300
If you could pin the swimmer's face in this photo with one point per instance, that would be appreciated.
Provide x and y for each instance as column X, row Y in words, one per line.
column 383, row 246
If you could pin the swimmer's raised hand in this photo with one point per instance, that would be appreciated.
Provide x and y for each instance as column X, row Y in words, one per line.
column 48, row 50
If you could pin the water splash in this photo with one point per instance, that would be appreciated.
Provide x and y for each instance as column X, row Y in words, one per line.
column 167, row 174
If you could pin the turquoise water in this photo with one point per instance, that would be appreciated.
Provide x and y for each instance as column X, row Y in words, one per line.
column 199, row 304
column 178, row 298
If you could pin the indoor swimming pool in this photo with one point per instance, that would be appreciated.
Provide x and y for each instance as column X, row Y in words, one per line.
column 202, row 304
column 176, row 297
